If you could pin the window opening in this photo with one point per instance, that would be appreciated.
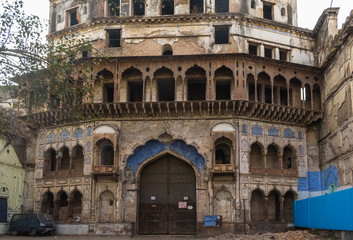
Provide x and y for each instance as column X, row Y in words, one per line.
column 114, row 7
column 52, row 160
column 283, row 96
column 114, row 36
column 253, row 4
column 251, row 92
column 253, row 49
column 268, row 52
column 223, row 90
column 222, row 6
column 222, row 154
column 282, row 55
column 268, row 94
column 108, row 92
column 135, row 91
column 168, row 7
column 139, row 7
column 196, row 6
column 107, row 155
column 267, row 11
column 73, row 17
column 221, row 34
column 283, row 12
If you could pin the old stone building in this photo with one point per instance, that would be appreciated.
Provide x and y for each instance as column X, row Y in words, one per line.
column 206, row 107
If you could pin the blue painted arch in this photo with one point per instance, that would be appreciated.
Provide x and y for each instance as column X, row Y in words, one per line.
column 154, row 147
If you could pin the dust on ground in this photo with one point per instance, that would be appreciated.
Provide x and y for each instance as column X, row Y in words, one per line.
column 290, row 235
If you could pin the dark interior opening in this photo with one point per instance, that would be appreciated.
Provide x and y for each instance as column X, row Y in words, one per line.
column 139, row 7
column 253, row 49
column 108, row 92
column 282, row 55
column 114, row 37
column 114, row 7
column 73, row 18
column 223, row 90
column 267, row 11
column 283, row 96
column 268, row 52
column 251, row 92
column 107, row 155
column 168, row 7
column 196, row 6
column 135, row 91
column 253, row 4
column 166, row 90
column 196, row 90
column 167, row 53
column 221, row 34
column 268, row 94
column 222, row 6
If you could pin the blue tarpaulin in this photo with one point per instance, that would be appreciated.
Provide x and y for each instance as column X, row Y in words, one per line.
column 332, row 211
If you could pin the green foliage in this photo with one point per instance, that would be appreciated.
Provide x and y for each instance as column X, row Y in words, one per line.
column 46, row 73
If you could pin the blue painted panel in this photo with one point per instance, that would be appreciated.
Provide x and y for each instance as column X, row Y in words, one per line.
column 301, row 150
column 78, row 133
column 332, row 211
column 243, row 128
column 256, row 130
column 300, row 135
column 154, row 147
column 210, row 220
column 288, row 133
column 314, row 181
column 88, row 160
column 303, row 184
column 51, row 137
column 272, row 131
column 329, row 176
column 88, row 147
column 64, row 135
column 89, row 131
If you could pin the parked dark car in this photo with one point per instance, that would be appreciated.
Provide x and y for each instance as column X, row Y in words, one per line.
column 32, row 223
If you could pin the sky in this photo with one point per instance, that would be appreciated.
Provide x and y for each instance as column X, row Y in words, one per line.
column 309, row 11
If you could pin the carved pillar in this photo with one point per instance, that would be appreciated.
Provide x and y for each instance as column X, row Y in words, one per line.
column 256, row 100
column 272, row 94
column 57, row 163
column 280, row 155
column 266, row 209
column 311, row 98
column 184, row 89
column 288, row 97
column 69, row 202
column 56, row 209
column 264, row 159
column 71, row 164
column 281, row 208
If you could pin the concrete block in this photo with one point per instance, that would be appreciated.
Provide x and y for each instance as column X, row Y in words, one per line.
column 72, row 229
column 123, row 229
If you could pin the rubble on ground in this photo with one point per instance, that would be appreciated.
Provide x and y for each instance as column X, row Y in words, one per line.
column 290, row 235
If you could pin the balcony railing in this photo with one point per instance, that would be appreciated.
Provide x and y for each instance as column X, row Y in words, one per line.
column 223, row 168
column 152, row 110
column 104, row 169
column 274, row 172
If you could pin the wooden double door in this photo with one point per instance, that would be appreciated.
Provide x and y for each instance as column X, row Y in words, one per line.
column 167, row 203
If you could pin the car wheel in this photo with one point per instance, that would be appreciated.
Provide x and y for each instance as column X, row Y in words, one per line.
column 14, row 232
column 33, row 232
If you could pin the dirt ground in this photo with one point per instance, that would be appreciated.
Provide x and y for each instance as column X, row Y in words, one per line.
column 290, row 235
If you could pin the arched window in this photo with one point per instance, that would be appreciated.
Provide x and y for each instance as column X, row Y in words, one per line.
column 63, row 206
column 256, row 159
column 64, row 159
column 107, row 155
column 257, row 208
column 273, row 205
column 223, row 78
column 288, row 158
column 222, row 153
column 283, row 12
column 288, row 206
column 132, row 84
column 165, row 84
column 167, row 50
column 272, row 157
column 50, row 160
column 77, row 158
column 48, row 203
column 196, row 78
column 76, row 202
column 105, row 90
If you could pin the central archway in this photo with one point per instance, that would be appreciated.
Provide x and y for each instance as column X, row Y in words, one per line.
column 167, row 200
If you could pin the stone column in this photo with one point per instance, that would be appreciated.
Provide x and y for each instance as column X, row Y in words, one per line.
column 266, row 209
column 56, row 209
column 281, row 208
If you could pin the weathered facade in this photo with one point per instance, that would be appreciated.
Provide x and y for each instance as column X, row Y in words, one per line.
column 204, row 108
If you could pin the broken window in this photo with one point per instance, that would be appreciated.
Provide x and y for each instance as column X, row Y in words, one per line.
column 221, row 34
column 267, row 11
column 268, row 52
column 139, row 7
column 114, row 7
column 73, row 17
column 167, row 7
column 114, row 36
column 196, row 6
column 222, row 6
column 253, row 49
